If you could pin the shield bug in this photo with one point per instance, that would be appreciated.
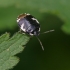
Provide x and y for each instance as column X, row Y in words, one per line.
column 30, row 25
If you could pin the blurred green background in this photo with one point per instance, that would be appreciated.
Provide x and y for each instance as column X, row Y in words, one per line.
column 52, row 14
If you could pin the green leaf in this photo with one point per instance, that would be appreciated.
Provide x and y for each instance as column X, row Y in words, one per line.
column 10, row 47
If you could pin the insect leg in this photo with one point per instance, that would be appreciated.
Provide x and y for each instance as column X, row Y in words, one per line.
column 40, row 43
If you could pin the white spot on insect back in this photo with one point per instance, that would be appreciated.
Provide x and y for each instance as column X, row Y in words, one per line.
column 22, row 27
column 18, row 20
column 39, row 29
column 27, row 14
column 35, row 19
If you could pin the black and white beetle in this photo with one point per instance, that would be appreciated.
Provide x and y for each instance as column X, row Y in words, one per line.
column 30, row 25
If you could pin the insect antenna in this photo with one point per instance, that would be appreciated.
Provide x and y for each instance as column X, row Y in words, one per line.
column 40, row 43
column 47, row 31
